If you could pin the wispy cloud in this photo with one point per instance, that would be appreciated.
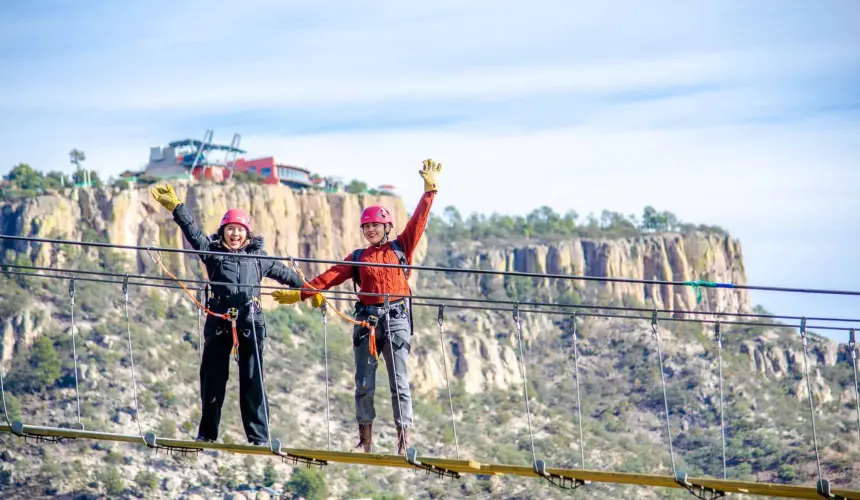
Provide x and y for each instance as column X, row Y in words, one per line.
column 742, row 114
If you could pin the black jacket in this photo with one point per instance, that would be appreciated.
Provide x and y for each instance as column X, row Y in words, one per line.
column 243, row 274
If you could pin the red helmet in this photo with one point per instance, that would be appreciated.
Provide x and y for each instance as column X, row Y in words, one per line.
column 376, row 213
column 237, row 216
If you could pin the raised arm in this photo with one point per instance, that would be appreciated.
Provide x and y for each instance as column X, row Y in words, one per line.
column 277, row 271
column 192, row 232
column 334, row 276
column 414, row 229
column 168, row 199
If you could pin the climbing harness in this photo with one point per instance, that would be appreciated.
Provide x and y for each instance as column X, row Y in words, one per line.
column 440, row 320
column 401, row 257
column 131, row 358
column 323, row 311
column 74, row 349
column 202, row 294
column 231, row 315
column 372, row 322
column 578, row 404
column 719, row 340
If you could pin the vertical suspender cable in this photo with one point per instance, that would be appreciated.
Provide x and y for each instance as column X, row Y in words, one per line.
column 809, row 390
column 663, row 382
column 3, row 394
column 525, row 380
column 259, row 356
column 440, row 319
column 200, row 298
column 386, row 309
column 131, row 356
column 718, row 338
column 74, row 349
column 852, row 345
column 323, row 310
column 578, row 403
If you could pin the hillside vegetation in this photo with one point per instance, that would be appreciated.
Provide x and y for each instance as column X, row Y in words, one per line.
column 766, row 412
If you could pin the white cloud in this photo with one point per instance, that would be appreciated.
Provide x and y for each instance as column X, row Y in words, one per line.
column 787, row 189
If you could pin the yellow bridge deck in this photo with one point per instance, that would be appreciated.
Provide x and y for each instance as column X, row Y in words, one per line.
column 437, row 464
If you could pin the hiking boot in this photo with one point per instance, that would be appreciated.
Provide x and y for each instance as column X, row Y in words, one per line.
column 365, row 436
column 402, row 440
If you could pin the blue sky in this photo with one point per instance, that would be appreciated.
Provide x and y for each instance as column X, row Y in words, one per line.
column 735, row 113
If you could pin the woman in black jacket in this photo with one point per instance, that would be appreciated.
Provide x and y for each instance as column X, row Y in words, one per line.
column 235, row 297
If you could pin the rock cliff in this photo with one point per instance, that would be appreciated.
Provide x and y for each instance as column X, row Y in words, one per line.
column 622, row 408
column 306, row 224
column 671, row 257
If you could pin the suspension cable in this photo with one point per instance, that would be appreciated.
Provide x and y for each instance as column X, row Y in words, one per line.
column 578, row 403
column 852, row 345
column 719, row 340
column 461, row 299
column 3, row 394
column 516, row 314
column 809, row 391
column 363, row 324
column 463, row 306
column 259, row 356
column 131, row 358
column 323, row 309
column 74, row 349
column 480, row 301
column 460, row 306
column 663, row 382
column 447, row 269
column 390, row 344
column 201, row 297
column 440, row 319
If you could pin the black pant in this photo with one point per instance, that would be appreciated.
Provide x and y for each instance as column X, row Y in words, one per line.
column 215, row 371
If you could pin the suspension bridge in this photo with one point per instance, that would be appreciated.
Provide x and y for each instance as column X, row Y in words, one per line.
column 564, row 478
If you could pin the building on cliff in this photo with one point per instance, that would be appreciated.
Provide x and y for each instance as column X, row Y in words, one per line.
column 190, row 159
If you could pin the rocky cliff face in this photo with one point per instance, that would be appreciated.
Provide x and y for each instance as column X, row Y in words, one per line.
column 319, row 225
column 617, row 359
column 671, row 257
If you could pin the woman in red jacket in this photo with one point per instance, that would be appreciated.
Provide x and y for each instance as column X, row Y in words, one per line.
column 393, row 329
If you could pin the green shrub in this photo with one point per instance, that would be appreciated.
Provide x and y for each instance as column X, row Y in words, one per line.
column 307, row 483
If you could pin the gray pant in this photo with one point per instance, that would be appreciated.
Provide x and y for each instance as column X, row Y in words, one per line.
column 393, row 338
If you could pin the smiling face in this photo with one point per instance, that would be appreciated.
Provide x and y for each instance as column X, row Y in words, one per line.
column 373, row 232
column 235, row 236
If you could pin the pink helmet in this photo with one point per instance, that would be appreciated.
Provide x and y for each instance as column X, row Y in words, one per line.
column 376, row 213
column 237, row 216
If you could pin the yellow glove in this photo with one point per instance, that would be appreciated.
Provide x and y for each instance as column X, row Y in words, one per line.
column 430, row 171
column 166, row 196
column 317, row 300
column 287, row 296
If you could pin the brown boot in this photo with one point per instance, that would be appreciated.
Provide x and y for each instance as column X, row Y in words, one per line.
column 402, row 440
column 365, row 436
